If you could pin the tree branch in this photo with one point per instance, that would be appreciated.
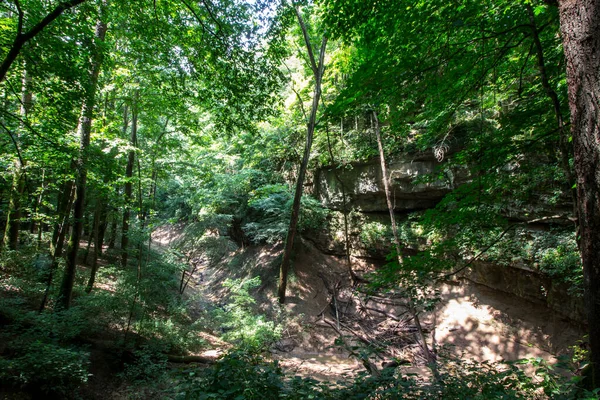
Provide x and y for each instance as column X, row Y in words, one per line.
column 309, row 48
column 12, row 138
column 22, row 38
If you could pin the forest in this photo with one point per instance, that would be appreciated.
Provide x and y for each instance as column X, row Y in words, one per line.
column 299, row 199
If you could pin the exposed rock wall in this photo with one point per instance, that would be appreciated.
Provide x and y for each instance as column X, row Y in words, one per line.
column 530, row 285
column 369, row 224
column 363, row 184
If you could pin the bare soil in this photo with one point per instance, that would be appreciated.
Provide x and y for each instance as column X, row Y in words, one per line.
column 470, row 322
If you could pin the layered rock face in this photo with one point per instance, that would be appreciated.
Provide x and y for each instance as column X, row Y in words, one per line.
column 414, row 190
column 363, row 185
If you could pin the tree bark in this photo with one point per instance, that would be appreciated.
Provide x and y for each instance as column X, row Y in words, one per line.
column 128, row 185
column 14, row 210
column 84, row 130
column 318, row 69
column 580, row 29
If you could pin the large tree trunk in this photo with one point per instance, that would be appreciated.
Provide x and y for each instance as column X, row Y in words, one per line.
column 318, row 70
column 580, row 28
column 84, row 129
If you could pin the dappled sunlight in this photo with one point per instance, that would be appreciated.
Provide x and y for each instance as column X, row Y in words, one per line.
column 476, row 323
column 323, row 367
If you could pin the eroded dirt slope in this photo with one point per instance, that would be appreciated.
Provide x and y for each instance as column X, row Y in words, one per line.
column 470, row 322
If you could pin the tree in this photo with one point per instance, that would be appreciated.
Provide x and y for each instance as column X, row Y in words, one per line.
column 84, row 129
column 580, row 29
column 22, row 37
column 318, row 68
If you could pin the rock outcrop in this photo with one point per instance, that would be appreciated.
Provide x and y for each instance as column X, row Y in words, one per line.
column 419, row 182
column 364, row 190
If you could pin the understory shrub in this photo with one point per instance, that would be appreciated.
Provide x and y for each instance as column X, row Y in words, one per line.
column 244, row 375
column 239, row 321
column 270, row 209
column 45, row 368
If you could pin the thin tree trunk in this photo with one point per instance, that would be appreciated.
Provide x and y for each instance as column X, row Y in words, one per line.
column 103, row 223
column 140, row 245
column 114, row 222
column 64, row 204
column 563, row 144
column 13, row 223
column 580, row 28
column 14, row 210
column 85, row 126
column 318, row 70
column 113, row 227
column 98, row 236
column 128, row 185
column 353, row 277
column 63, row 208
column 91, row 232
column 35, row 219
column 388, row 197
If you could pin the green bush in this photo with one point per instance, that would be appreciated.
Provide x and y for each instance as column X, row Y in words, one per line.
column 270, row 209
column 149, row 364
column 375, row 235
column 46, row 368
column 240, row 324
column 563, row 263
column 238, row 375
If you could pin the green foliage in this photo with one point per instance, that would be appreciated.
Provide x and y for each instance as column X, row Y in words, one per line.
column 238, row 375
column 562, row 263
column 374, row 234
column 149, row 365
column 270, row 209
column 245, row 375
column 240, row 323
column 47, row 368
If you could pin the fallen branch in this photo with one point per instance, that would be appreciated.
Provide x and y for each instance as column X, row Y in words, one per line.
column 390, row 316
column 369, row 366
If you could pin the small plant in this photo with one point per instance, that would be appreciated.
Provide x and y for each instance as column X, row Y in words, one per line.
column 240, row 324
